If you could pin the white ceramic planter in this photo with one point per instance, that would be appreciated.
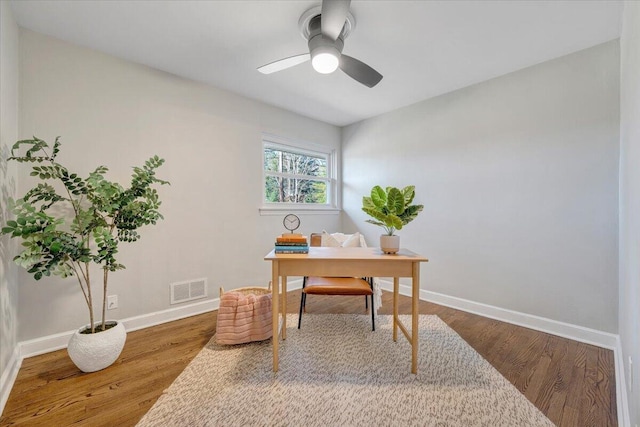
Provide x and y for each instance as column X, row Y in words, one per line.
column 389, row 244
column 93, row 352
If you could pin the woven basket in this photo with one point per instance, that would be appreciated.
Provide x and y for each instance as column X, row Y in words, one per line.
column 255, row 290
column 244, row 315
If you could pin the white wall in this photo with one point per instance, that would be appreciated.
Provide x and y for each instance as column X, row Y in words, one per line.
column 629, row 316
column 518, row 175
column 109, row 111
column 519, row 178
column 8, row 182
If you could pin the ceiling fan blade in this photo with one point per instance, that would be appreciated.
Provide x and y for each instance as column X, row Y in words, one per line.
column 359, row 71
column 282, row 64
column 333, row 16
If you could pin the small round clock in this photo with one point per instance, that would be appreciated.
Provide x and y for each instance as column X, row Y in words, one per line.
column 291, row 222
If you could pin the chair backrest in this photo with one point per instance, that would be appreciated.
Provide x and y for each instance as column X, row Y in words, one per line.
column 316, row 239
column 337, row 285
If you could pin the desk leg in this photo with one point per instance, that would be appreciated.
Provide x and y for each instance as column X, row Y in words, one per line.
column 284, row 307
column 415, row 297
column 275, row 287
column 396, row 291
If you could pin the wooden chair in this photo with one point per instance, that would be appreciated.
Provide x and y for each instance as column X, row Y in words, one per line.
column 336, row 286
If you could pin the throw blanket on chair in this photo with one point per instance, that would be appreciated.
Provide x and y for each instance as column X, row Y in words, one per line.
column 243, row 318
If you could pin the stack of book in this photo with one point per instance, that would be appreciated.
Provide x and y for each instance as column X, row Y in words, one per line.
column 292, row 243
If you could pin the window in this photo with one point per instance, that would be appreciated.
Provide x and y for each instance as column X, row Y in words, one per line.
column 297, row 175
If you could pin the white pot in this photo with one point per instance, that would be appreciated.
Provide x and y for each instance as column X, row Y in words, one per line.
column 389, row 244
column 93, row 352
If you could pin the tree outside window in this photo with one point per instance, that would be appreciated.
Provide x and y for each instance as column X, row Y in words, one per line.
column 295, row 176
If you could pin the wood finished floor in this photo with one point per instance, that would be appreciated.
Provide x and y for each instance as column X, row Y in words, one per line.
column 572, row 383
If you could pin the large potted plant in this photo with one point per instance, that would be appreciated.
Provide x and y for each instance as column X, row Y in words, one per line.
column 391, row 209
column 67, row 223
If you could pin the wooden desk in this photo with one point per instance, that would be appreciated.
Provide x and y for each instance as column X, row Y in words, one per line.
column 347, row 262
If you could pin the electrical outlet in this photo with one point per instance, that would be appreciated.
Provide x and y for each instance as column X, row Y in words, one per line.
column 112, row 302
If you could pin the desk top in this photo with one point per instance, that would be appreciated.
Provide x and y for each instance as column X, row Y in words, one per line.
column 327, row 253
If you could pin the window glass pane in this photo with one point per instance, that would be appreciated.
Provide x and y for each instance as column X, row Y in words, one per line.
column 271, row 160
column 298, row 173
column 289, row 190
column 294, row 163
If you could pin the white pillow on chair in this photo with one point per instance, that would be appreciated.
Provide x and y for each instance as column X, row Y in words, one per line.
column 329, row 241
column 337, row 240
column 352, row 241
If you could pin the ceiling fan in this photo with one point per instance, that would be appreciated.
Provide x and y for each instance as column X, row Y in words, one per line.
column 325, row 28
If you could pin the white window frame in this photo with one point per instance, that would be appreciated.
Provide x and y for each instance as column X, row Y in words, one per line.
column 308, row 148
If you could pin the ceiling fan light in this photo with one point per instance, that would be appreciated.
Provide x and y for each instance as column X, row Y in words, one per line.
column 325, row 62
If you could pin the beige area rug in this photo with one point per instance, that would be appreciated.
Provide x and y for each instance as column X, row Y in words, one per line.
column 336, row 372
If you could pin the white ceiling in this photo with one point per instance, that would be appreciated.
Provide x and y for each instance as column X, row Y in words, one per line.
column 423, row 48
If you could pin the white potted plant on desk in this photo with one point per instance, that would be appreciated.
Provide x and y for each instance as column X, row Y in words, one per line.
column 391, row 209
column 67, row 223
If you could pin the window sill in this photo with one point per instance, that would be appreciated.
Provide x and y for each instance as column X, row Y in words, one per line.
column 279, row 210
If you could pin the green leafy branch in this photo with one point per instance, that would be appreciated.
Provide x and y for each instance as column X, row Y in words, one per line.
column 104, row 213
column 391, row 208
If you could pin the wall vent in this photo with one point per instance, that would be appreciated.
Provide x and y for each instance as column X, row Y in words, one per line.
column 188, row 290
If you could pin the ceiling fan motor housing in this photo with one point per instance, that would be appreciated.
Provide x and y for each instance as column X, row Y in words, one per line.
column 319, row 44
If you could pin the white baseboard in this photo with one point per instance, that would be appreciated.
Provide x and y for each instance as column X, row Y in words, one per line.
column 59, row 341
column 293, row 285
column 46, row 344
column 169, row 315
column 554, row 327
column 9, row 376
column 622, row 402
